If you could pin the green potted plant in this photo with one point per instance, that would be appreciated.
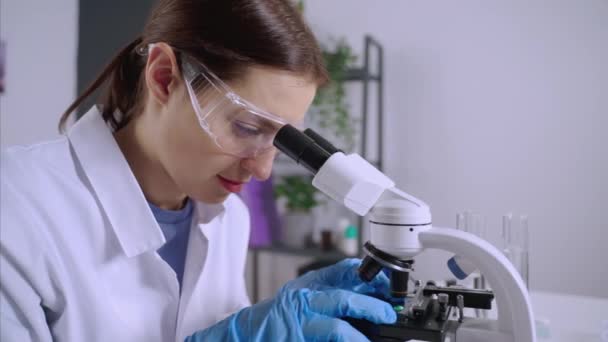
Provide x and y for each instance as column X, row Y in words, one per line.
column 300, row 198
column 330, row 109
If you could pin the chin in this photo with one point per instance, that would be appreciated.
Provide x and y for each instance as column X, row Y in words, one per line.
column 217, row 199
column 210, row 191
column 211, row 198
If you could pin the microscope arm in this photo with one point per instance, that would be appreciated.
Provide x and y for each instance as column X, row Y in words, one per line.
column 514, row 309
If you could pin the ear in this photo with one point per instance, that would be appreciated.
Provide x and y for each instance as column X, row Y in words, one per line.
column 162, row 72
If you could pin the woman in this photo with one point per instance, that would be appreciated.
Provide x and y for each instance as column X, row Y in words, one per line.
column 128, row 228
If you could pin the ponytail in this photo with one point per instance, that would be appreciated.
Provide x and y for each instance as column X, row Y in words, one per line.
column 123, row 74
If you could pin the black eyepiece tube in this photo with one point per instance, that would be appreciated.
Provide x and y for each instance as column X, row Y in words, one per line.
column 301, row 148
column 326, row 145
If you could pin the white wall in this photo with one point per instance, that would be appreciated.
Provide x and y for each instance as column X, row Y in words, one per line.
column 41, row 38
column 498, row 106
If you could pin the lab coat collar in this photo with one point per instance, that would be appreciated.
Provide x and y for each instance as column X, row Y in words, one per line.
column 206, row 217
column 117, row 189
column 114, row 184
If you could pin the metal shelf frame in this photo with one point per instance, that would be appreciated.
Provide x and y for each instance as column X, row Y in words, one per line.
column 370, row 78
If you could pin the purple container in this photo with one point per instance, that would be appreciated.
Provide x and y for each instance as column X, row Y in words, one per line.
column 259, row 198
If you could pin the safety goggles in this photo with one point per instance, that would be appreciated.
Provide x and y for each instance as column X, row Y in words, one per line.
column 236, row 125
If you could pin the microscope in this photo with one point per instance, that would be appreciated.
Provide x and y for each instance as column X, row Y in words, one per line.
column 401, row 228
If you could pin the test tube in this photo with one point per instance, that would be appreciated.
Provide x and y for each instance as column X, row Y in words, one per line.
column 516, row 244
column 471, row 222
column 506, row 229
column 475, row 224
column 460, row 222
column 525, row 256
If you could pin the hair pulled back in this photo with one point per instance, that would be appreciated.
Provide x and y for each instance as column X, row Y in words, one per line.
column 226, row 35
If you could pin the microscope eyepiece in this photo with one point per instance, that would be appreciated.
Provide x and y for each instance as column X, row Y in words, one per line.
column 301, row 148
column 326, row 145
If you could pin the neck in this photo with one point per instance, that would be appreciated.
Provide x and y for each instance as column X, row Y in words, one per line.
column 156, row 184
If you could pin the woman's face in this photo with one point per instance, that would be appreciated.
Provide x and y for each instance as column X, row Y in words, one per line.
column 197, row 165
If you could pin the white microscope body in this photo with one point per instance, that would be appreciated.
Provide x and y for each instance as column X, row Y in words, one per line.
column 400, row 225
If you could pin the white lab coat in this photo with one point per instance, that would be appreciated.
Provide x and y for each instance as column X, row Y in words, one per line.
column 78, row 246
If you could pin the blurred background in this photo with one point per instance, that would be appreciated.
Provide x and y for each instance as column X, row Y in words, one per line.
column 484, row 107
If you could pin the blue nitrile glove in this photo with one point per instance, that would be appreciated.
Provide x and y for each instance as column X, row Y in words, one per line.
column 342, row 275
column 308, row 309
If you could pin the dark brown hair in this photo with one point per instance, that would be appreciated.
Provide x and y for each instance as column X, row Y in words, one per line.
column 226, row 35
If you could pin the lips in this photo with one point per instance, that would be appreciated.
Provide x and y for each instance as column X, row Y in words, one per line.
column 230, row 185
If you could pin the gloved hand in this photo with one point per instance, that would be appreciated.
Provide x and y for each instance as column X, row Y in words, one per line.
column 308, row 309
column 342, row 275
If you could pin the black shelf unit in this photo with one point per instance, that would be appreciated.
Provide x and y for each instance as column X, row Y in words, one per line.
column 368, row 75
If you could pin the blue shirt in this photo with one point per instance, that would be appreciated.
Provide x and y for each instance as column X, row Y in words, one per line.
column 175, row 225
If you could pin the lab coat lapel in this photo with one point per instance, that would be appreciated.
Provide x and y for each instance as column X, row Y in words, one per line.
column 201, row 248
column 115, row 185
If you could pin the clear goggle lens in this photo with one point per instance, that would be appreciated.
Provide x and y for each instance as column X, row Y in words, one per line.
column 237, row 126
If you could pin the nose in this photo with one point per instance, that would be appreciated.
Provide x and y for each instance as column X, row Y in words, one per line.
column 260, row 166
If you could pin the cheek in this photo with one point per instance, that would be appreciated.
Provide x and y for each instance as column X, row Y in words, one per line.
column 190, row 156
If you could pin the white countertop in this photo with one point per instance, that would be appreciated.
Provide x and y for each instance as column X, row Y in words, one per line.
column 571, row 318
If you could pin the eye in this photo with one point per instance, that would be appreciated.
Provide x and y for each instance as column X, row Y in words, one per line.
column 245, row 130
